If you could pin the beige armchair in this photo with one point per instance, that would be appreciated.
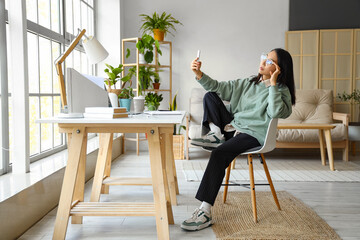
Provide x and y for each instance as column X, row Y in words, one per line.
column 312, row 106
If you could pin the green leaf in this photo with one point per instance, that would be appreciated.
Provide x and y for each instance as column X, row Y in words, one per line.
column 149, row 56
column 127, row 53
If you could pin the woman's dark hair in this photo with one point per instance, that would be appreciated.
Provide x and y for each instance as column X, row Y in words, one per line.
column 286, row 77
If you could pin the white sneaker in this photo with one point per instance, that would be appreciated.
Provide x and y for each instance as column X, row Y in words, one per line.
column 209, row 140
column 199, row 220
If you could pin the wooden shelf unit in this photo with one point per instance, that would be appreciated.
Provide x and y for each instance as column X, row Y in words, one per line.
column 156, row 65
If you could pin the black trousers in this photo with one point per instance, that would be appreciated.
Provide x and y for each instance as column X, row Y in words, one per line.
column 222, row 156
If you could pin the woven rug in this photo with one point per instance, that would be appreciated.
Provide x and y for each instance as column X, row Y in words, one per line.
column 234, row 219
column 281, row 171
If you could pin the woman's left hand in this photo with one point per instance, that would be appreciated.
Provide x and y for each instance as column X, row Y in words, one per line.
column 274, row 75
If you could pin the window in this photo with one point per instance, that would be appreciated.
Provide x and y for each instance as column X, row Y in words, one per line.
column 4, row 128
column 47, row 37
column 44, row 48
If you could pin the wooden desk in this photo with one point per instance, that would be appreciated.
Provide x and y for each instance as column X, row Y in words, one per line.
column 324, row 129
column 159, row 130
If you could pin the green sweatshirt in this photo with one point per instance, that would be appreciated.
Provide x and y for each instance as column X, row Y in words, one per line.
column 251, row 105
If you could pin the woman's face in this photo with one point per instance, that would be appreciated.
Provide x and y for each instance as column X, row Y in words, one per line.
column 267, row 64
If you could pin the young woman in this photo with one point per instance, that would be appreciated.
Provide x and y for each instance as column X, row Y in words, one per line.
column 254, row 102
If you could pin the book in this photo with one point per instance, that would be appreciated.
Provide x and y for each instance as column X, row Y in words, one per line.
column 105, row 110
column 105, row 115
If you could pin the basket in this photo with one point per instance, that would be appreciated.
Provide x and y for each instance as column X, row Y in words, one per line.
column 178, row 147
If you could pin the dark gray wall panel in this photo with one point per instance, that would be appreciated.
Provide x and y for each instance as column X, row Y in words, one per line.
column 324, row 14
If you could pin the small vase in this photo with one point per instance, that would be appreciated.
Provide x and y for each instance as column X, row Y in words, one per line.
column 159, row 34
column 156, row 85
column 142, row 59
column 125, row 102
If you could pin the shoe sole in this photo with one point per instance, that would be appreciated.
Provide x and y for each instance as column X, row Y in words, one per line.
column 196, row 228
column 208, row 149
column 200, row 144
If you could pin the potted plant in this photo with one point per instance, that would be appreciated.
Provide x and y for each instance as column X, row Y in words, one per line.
column 113, row 77
column 152, row 101
column 160, row 25
column 354, row 127
column 354, row 97
column 125, row 97
column 147, row 75
column 146, row 47
column 156, row 83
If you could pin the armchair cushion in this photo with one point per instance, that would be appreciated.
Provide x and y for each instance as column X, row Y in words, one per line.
column 312, row 106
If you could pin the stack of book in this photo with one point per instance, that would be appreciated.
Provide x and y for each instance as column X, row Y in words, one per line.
column 105, row 112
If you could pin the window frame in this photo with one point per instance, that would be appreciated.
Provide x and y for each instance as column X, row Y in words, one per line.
column 64, row 38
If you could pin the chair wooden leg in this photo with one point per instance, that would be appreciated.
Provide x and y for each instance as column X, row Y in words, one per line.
column 353, row 147
column 270, row 182
column 226, row 182
column 252, row 185
column 233, row 164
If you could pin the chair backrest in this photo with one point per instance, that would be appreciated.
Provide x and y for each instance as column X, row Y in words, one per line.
column 270, row 139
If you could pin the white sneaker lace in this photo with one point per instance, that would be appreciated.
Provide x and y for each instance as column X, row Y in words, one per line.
column 195, row 214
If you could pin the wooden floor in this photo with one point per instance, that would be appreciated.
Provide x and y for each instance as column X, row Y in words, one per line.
column 337, row 203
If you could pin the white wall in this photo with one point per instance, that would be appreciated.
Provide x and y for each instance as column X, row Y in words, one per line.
column 231, row 34
column 108, row 31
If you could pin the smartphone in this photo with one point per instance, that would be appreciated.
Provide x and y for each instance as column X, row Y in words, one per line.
column 198, row 55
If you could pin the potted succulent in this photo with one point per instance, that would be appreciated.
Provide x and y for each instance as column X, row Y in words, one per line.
column 113, row 77
column 125, row 97
column 354, row 127
column 160, row 25
column 152, row 101
column 156, row 83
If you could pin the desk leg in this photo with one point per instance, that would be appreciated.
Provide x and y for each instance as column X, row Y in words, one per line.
column 80, row 180
column 68, row 186
column 105, row 188
column 329, row 148
column 159, row 184
column 105, row 147
column 170, row 167
column 168, row 177
column 322, row 146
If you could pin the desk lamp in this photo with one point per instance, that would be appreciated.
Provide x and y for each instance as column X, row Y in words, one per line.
column 95, row 53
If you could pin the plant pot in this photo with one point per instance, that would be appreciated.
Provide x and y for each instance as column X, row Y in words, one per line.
column 142, row 59
column 151, row 107
column 125, row 102
column 156, row 85
column 354, row 131
column 139, row 104
column 159, row 34
column 113, row 99
column 113, row 96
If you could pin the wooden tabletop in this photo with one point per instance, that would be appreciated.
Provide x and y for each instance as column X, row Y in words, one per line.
column 305, row 126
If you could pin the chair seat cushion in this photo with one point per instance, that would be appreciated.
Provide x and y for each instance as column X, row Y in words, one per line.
column 310, row 135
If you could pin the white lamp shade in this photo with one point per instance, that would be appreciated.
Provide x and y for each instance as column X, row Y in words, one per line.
column 94, row 50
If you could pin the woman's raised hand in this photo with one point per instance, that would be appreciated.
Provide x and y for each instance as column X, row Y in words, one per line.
column 274, row 75
column 195, row 67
